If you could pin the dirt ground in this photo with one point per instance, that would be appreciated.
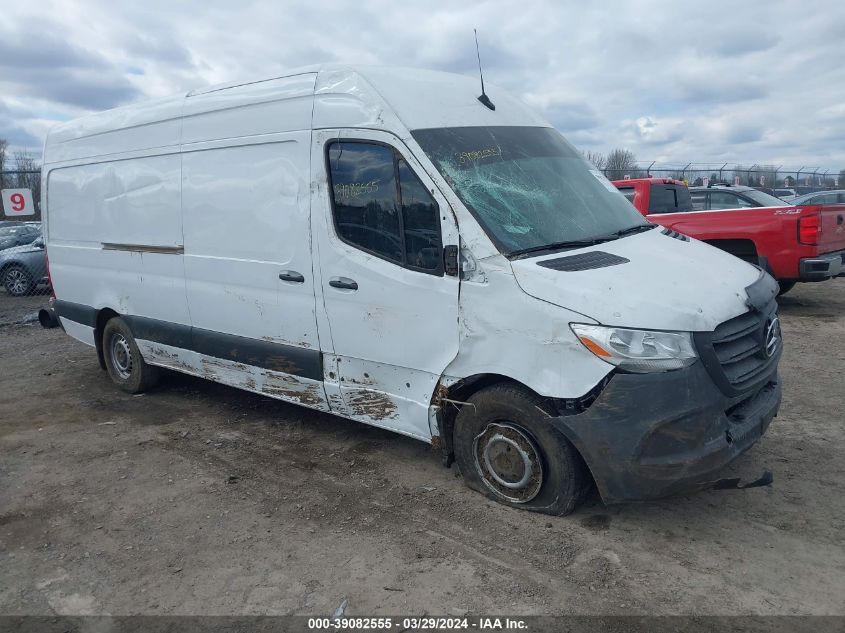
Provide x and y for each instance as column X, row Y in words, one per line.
column 200, row 499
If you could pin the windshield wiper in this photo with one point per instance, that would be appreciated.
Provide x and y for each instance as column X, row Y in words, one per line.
column 639, row 228
column 559, row 246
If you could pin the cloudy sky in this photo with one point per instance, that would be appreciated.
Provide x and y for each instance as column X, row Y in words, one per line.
column 751, row 82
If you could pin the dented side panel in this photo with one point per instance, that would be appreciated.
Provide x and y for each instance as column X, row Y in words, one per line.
column 276, row 384
column 389, row 396
column 507, row 332
column 246, row 224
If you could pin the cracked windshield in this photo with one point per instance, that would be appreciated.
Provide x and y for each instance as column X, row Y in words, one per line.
column 528, row 187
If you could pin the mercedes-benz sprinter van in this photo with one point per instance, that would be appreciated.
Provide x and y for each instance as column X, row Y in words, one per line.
column 383, row 245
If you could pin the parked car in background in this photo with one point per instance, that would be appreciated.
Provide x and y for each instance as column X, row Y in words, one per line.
column 23, row 268
column 18, row 235
column 821, row 197
column 785, row 194
column 719, row 197
column 805, row 243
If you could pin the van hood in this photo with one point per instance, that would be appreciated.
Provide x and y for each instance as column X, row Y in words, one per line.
column 666, row 283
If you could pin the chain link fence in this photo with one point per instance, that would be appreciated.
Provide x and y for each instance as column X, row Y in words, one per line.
column 769, row 178
column 24, row 284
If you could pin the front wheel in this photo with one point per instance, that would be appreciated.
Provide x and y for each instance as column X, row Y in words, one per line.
column 507, row 450
column 17, row 281
column 785, row 286
column 123, row 359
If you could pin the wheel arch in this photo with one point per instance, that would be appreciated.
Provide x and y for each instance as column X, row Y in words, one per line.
column 103, row 317
column 452, row 396
column 743, row 248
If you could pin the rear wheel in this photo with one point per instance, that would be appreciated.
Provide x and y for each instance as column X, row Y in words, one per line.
column 507, row 450
column 17, row 281
column 785, row 286
column 123, row 359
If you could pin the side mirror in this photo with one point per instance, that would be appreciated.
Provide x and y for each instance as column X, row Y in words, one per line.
column 38, row 243
column 450, row 260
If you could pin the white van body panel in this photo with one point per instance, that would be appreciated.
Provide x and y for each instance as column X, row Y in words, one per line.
column 146, row 126
column 673, row 303
column 246, row 219
column 100, row 214
column 81, row 333
column 261, row 107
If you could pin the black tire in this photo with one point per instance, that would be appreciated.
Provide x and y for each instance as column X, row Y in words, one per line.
column 500, row 435
column 123, row 359
column 785, row 286
column 18, row 281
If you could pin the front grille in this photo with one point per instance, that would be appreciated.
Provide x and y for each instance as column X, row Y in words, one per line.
column 741, row 348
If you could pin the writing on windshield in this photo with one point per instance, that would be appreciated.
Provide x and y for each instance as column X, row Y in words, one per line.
column 527, row 186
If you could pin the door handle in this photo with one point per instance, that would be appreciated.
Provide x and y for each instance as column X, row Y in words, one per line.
column 291, row 275
column 343, row 282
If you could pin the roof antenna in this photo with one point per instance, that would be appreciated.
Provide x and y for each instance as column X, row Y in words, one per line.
column 483, row 98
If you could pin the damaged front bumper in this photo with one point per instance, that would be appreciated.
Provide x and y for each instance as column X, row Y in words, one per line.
column 648, row 436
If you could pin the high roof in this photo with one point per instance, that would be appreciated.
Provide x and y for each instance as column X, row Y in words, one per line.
column 388, row 98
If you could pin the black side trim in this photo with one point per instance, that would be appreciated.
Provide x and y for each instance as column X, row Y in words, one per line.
column 77, row 312
column 164, row 332
column 583, row 261
column 290, row 359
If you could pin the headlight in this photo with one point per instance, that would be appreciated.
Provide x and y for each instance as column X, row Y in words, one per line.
column 639, row 351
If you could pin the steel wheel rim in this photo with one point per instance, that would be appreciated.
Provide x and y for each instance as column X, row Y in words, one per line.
column 508, row 462
column 121, row 355
column 16, row 281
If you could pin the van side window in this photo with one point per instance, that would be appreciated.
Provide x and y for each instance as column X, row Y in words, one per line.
column 364, row 194
column 380, row 206
column 420, row 217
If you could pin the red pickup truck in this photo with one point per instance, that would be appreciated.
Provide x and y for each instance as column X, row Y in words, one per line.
column 793, row 243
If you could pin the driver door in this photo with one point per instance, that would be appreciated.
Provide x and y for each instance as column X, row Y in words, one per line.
column 381, row 225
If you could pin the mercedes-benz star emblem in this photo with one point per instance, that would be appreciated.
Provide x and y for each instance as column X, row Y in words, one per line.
column 772, row 335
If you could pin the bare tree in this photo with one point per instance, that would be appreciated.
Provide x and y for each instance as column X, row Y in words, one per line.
column 4, row 146
column 621, row 163
column 596, row 158
column 29, row 177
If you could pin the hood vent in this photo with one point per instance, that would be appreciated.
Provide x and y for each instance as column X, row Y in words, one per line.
column 583, row 261
column 675, row 235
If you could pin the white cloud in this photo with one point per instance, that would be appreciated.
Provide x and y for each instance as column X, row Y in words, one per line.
column 747, row 82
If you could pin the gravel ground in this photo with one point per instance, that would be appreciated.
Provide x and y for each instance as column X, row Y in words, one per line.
column 200, row 499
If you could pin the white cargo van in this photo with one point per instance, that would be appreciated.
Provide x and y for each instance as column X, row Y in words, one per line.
column 382, row 245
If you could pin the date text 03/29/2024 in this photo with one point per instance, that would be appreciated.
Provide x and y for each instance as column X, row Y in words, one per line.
column 423, row 623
